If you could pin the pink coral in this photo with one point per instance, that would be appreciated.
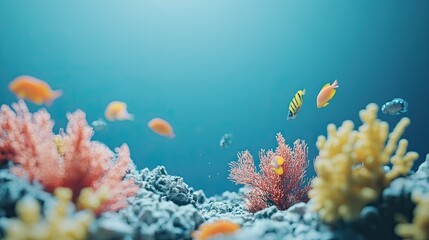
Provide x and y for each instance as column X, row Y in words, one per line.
column 27, row 140
column 266, row 187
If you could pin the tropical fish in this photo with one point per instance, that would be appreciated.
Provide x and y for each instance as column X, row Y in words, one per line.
column 161, row 127
column 225, row 140
column 34, row 90
column 395, row 107
column 277, row 163
column 218, row 229
column 116, row 110
column 326, row 93
column 99, row 125
column 295, row 104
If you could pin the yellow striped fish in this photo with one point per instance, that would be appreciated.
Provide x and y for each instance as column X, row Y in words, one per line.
column 295, row 104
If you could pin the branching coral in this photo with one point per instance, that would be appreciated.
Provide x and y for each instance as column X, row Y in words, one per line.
column 58, row 224
column 220, row 227
column 69, row 159
column 88, row 199
column 419, row 228
column 268, row 188
column 350, row 165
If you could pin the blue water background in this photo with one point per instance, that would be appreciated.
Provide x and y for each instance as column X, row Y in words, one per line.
column 215, row 67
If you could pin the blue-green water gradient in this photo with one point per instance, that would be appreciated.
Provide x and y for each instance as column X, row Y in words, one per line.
column 215, row 67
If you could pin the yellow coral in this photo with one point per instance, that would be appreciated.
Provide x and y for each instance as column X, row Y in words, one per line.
column 88, row 199
column 350, row 165
column 59, row 143
column 58, row 224
column 419, row 229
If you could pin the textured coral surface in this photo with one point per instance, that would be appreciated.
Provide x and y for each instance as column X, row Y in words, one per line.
column 60, row 222
column 69, row 160
column 266, row 188
column 350, row 168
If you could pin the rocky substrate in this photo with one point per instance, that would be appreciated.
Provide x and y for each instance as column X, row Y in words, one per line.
column 167, row 208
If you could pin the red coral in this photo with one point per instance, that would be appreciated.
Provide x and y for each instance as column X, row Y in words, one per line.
column 27, row 140
column 266, row 187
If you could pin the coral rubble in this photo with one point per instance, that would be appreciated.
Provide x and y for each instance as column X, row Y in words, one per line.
column 169, row 188
column 155, row 212
column 229, row 205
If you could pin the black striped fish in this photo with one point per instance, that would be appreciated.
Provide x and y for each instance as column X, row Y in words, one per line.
column 295, row 104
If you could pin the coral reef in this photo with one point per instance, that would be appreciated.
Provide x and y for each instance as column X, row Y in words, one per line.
column 229, row 206
column 267, row 188
column 13, row 188
column 152, row 214
column 165, row 207
column 350, row 168
column 69, row 160
column 93, row 200
column 378, row 219
column 110, row 226
column 169, row 188
column 297, row 222
column 154, row 218
column 60, row 223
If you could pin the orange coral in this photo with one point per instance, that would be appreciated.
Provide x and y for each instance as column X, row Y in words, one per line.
column 268, row 188
column 208, row 230
column 69, row 160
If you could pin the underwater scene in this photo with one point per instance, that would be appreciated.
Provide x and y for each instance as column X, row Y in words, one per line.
column 208, row 120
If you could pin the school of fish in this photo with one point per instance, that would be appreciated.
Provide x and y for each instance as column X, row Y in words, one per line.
column 39, row 92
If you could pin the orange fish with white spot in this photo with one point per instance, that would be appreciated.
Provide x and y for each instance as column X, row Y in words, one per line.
column 277, row 164
column 117, row 110
column 161, row 127
column 326, row 94
column 34, row 90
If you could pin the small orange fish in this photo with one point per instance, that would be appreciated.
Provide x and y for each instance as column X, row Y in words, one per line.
column 219, row 227
column 161, row 127
column 116, row 110
column 34, row 90
column 277, row 163
column 326, row 94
